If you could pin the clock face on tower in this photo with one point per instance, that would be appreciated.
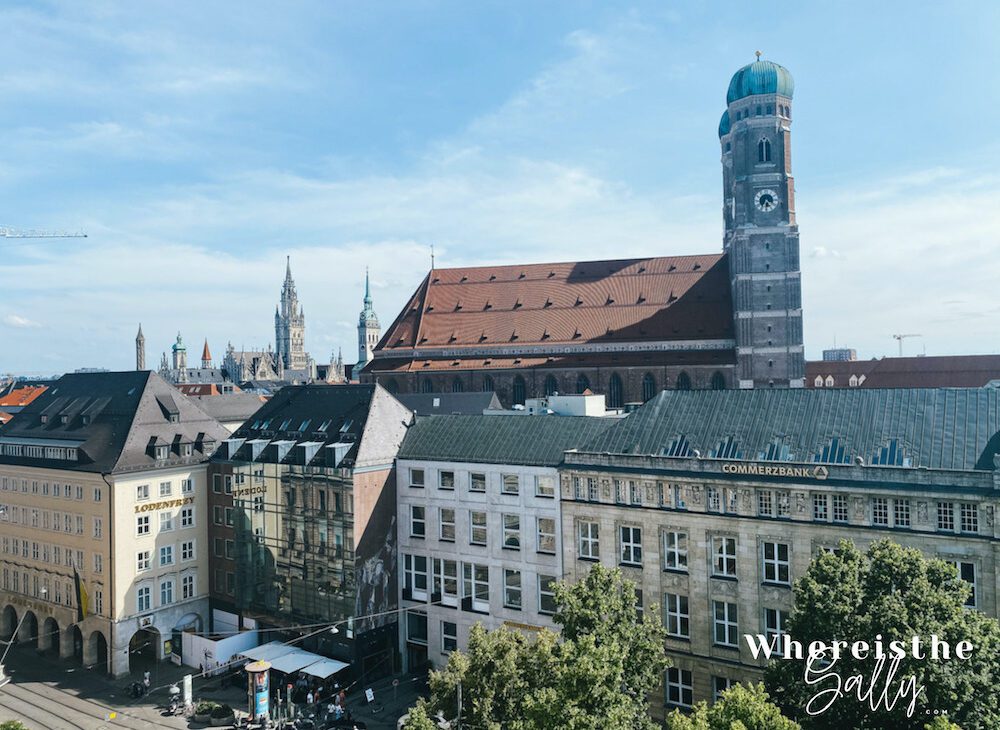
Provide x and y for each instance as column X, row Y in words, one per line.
column 766, row 200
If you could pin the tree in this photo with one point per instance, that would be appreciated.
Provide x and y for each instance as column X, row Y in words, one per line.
column 941, row 723
column 596, row 674
column 740, row 707
column 419, row 718
column 12, row 725
column 893, row 593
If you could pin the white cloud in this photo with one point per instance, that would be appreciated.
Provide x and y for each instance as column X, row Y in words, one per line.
column 16, row 320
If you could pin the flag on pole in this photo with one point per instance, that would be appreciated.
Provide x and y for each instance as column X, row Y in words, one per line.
column 82, row 603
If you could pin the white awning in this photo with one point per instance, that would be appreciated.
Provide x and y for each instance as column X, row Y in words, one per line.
column 325, row 668
column 294, row 661
column 268, row 652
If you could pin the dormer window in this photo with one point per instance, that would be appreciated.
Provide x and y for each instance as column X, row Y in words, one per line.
column 162, row 452
column 44, row 418
column 64, row 418
column 187, row 449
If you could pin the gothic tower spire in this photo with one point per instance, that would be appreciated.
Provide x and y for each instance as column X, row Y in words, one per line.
column 369, row 330
column 290, row 325
column 140, row 350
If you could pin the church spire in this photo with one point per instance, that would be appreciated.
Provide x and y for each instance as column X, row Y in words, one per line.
column 140, row 350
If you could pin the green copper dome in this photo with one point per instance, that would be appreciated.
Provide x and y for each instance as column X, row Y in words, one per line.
column 724, row 124
column 760, row 77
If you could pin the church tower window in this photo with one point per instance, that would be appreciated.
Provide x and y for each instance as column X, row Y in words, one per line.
column 518, row 390
column 488, row 384
column 582, row 383
column 683, row 381
column 426, row 386
column 648, row 387
column 615, row 391
column 551, row 385
column 718, row 381
column 764, row 150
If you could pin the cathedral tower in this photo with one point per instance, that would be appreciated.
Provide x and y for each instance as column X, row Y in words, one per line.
column 761, row 236
column 290, row 326
column 140, row 350
column 180, row 359
column 206, row 357
column 369, row 330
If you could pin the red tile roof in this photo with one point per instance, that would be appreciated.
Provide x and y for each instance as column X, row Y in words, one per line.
column 203, row 388
column 4, row 417
column 20, row 397
column 949, row 371
column 626, row 300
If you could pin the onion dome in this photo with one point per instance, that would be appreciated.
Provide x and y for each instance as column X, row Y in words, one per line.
column 760, row 77
column 724, row 124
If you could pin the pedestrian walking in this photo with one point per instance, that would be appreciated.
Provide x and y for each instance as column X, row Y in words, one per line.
column 309, row 698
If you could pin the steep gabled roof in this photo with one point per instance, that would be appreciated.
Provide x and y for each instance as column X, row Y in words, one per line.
column 948, row 371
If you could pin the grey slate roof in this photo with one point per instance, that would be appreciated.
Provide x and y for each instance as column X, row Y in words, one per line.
column 526, row 440
column 942, row 428
column 436, row 404
column 229, row 406
column 113, row 417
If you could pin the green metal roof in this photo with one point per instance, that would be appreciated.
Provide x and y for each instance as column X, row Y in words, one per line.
column 724, row 124
column 526, row 440
column 942, row 428
column 760, row 77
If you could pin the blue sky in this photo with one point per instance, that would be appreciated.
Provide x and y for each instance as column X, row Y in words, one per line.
column 198, row 144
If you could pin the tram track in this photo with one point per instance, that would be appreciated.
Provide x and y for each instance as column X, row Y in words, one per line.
column 33, row 713
column 124, row 717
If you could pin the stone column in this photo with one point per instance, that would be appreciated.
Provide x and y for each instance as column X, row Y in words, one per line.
column 66, row 643
column 44, row 637
column 90, row 654
column 118, row 650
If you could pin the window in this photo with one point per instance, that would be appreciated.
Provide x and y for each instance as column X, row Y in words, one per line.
column 187, row 587
column 675, row 551
column 418, row 522
column 776, row 565
column 79, row 521
column 579, row 490
column 648, row 387
column 476, row 586
column 417, row 478
column 676, row 616
column 512, row 532
column 97, row 494
column 187, row 486
column 511, row 484
column 230, row 583
column 946, row 516
column 142, row 525
column 142, row 492
column 725, row 624
column 546, row 594
column 901, row 512
column 98, row 601
column 166, row 489
column 593, row 490
column 634, row 492
column 775, row 623
column 187, row 517
column 969, row 517
column 880, row 511
column 631, row 545
column 546, row 535
column 821, row 507
column 416, row 627
column 512, row 589
column 620, row 492
column 447, row 524
column 477, row 528
column 98, row 563
column 217, row 515
column 967, row 572
column 615, row 389
column 446, row 581
column 187, row 550
column 680, row 689
column 446, row 479
column 98, row 528
column 589, row 543
column 167, row 555
column 724, row 554
column 166, row 521
column 217, row 483
column 720, row 685
column 840, row 508
column 477, row 482
column 518, row 390
column 231, row 549
column 714, row 500
column 449, row 636
column 545, row 485
column 764, row 150
column 765, row 503
column 166, row 592
column 142, row 599
column 415, row 576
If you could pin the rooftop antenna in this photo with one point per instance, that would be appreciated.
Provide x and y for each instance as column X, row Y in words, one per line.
column 432, row 257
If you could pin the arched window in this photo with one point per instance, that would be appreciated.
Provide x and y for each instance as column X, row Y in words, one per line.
column 488, row 384
column 426, row 386
column 683, row 381
column 648, row 387
column 764, row 150
column 518, row 391
column 615, row 391
column 551, row 385
column 582, row 383
column 456, row 386
column 718, row 381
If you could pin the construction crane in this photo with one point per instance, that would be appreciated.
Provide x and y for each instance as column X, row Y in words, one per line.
column 6, row 232
column 900, row 338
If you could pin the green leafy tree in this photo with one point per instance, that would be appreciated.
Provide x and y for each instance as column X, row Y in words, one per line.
column 740, row 707
column 13, row 725
column 941, row 723
column 894, row 593
column 596, row 674
column 419, row 718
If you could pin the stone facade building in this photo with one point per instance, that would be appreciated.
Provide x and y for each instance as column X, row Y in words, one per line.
column 714, row 504
column 480, row 534
column 103, row 481
column 629, row 328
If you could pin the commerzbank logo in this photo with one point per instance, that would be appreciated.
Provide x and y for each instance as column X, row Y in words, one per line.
column 818, row 472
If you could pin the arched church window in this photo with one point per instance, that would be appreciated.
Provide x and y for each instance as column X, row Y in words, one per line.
column 457, row 386
column 764, row 150
column 683, row 381
column 582, row 383
column 518, row 391
column 488, row 384
column 426, row 386
column 615, row 391
column 648, row 387
column 551, row 386
column 718, row 381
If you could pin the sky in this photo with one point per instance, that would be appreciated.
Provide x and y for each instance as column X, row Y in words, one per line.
column 199, row 144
